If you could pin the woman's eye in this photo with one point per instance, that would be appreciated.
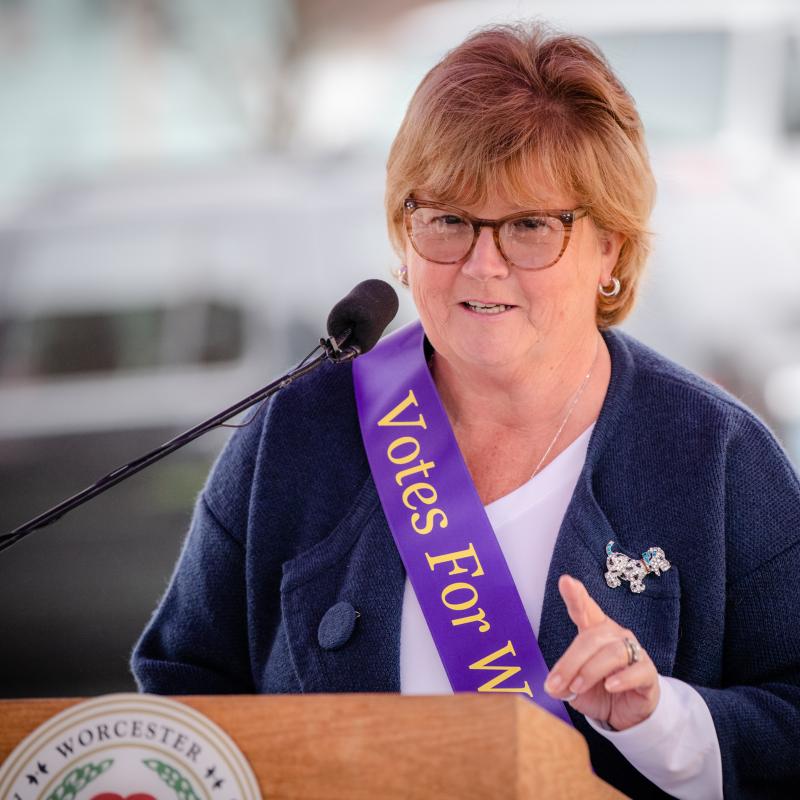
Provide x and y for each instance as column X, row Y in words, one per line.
column 449, row 219
column 530, row 223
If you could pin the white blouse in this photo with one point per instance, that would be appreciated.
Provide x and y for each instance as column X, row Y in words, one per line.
column 676, row 747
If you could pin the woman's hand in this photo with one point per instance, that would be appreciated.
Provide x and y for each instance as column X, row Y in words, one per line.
column 595, row 674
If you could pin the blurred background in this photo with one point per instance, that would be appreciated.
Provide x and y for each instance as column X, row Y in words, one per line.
column 186, row 187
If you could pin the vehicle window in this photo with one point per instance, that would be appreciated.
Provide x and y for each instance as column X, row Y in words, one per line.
column 677, row 78
column 120, row 340
column 224, row 334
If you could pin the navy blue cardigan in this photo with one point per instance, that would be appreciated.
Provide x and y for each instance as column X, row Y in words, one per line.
column 289, row 525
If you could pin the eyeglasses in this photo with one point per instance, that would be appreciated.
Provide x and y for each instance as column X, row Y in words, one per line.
column 445, row 234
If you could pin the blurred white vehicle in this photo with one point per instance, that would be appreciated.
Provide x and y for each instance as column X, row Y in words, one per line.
column 156, row 301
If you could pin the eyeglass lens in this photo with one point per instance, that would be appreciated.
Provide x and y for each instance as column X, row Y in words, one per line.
column 530, row 242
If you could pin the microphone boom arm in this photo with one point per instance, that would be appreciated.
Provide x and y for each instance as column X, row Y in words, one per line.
column 331, row 352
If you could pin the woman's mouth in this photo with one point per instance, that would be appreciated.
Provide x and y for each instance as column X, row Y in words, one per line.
column 485, row 308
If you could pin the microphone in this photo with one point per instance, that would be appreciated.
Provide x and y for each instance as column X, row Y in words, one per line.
column 358, row 320
column 356, row 323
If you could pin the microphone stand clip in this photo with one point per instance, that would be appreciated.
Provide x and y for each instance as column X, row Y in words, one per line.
column 334, row 351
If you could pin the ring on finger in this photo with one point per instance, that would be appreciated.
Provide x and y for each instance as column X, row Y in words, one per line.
column 634, row 650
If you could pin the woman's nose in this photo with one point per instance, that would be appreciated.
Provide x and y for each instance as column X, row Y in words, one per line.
column 485, row 261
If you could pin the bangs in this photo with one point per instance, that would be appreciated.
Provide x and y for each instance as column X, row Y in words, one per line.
column 527, row 180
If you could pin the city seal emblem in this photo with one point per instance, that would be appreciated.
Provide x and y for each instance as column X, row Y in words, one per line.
column 128, row 747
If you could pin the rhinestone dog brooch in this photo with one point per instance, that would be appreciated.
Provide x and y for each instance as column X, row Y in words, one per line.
column 623, row 568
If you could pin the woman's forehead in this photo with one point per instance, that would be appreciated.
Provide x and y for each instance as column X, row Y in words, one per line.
column 511, row 185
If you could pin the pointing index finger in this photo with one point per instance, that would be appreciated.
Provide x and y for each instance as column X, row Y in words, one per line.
column 582, row 610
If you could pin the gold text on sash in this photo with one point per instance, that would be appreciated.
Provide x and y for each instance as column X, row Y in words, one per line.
column 459, row 595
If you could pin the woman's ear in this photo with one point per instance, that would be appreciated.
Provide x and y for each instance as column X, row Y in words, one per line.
column 610, row 244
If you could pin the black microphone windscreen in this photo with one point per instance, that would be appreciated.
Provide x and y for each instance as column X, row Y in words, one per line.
column 365, row 312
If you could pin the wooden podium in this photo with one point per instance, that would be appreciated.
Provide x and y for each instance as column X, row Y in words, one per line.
column 383, row 746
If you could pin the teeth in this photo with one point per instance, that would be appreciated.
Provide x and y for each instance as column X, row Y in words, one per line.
column 487, row 308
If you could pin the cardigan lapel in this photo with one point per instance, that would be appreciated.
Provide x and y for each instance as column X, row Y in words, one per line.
column 580, row 549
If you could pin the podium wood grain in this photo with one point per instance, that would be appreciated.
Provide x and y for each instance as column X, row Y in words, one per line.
column 365, row 747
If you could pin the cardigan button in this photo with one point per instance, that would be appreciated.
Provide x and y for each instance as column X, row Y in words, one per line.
column 337, row 626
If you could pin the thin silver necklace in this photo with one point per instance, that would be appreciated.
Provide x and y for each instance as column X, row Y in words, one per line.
column 569, row 410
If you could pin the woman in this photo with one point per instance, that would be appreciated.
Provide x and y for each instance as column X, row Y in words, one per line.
column 641, row 519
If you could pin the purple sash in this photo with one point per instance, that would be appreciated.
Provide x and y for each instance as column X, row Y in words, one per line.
column 444, row 537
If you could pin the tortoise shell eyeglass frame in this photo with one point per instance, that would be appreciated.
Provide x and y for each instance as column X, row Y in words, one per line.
column 565, row 217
